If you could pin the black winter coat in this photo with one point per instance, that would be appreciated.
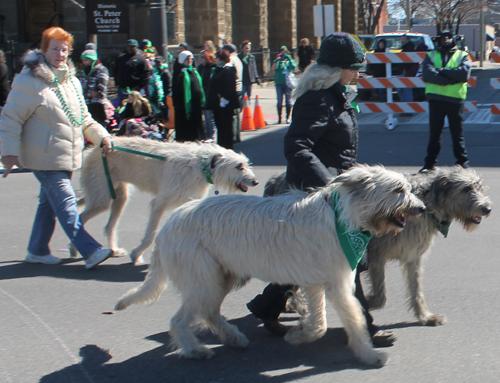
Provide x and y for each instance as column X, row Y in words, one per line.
column 322, row 140
column 223, row 85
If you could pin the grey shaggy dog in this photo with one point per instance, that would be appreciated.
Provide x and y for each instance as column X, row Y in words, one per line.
column 450, row 194
column 206, row 248
column 183, row 176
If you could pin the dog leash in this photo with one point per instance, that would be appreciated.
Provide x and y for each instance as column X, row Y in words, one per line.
column 127, row 150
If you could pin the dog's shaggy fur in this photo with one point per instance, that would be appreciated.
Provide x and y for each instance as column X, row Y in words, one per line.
column 208, row 246
column 178, row 179
column 449, row 194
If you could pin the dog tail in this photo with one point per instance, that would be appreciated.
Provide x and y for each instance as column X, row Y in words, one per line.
column 152, row 287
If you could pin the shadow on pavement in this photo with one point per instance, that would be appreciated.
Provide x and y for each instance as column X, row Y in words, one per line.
column 267, row 359
column 74, row 269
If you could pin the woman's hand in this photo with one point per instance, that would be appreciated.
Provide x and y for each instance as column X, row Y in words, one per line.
column 9, row 162
column 106, row 146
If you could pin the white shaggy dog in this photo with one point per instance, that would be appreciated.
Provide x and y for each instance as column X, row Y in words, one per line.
column 207, row 247
column 449, row 193
column 184, row 175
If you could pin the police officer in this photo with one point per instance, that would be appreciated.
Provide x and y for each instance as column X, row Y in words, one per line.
column 446, row 71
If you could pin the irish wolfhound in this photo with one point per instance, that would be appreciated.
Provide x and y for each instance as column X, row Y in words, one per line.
column 449, row 193
column 186, row 174
column 207, row 247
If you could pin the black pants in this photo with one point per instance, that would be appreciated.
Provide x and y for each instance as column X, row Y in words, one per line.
column 273, row 299
column 223, row 118
column 438, row 110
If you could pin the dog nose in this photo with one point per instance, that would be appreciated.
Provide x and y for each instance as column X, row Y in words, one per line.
column 255, row 183
column 486, row 210
column 421, row 209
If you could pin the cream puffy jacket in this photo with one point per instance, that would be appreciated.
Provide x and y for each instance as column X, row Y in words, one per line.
column 33, row 124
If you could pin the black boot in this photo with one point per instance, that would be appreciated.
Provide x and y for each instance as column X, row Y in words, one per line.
column 279, row 115
column 288, row 111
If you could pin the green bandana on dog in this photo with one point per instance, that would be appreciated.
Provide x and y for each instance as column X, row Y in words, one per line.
column 354, row 242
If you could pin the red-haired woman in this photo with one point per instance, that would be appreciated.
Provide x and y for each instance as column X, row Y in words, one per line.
column 42, row 127
column 223, row 99
column 207, row 64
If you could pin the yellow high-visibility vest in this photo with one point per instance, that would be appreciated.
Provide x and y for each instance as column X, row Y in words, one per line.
column 458, row 90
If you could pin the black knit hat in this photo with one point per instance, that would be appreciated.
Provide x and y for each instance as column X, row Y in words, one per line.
column 342, row 50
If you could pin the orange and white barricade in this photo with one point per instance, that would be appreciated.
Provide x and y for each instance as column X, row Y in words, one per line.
column 398, row 82
column 406, row 107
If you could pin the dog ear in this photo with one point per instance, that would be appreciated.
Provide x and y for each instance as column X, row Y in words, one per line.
column 215, row 159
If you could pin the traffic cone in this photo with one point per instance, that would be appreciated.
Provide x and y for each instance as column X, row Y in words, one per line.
column 247, row 123
column 258, row 115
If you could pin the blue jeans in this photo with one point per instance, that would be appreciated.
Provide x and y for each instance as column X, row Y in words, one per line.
column 284, row 90
column 405, row 94
column 57, row 199
column 210, row 127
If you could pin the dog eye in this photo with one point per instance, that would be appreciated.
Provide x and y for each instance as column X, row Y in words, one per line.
column 239, row 167
column 467, row 189
column 399, row 189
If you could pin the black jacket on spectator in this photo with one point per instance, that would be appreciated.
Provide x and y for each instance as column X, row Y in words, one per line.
column 223, row 85
column 306, row 55
column 4, row 84
column 410, row 70
column 323, row 137
column 205, row 72
column 132, row 71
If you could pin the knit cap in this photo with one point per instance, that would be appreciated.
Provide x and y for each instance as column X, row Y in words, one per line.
column 89, row 54
column 183, row 56
column 342, row 50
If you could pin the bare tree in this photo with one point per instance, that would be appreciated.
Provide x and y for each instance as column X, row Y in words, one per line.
column 447, row 14
column 371, row 10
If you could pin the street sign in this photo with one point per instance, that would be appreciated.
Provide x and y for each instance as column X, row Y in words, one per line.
column 324, row 20
column 107, row 16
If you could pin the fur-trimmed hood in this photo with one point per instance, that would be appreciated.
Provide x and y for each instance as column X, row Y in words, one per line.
column 34, row 61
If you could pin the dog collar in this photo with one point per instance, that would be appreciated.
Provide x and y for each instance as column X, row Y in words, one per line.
column 205, row 167
column 442, row 226
column 353, row 242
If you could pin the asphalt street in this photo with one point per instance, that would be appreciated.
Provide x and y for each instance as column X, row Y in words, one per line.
column 58, row 323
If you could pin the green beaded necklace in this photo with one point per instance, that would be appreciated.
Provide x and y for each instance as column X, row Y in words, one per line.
column 64, row 103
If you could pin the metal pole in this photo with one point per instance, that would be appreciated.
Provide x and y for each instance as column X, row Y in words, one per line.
column 482, row 37
column 164, row 36
column 408, row 15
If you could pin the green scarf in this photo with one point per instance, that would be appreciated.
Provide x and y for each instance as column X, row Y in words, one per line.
column 187, row 90
column 442, row 226
column 353, row 243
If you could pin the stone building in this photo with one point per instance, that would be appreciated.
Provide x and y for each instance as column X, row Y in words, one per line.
column 269, row 24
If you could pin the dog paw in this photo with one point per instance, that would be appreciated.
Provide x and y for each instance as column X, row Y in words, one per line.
column 73, row 253
column 120, row 252
column 433, row 320
column 199, row 353
column 296, row 335
column 138, row 261
column 373, row 358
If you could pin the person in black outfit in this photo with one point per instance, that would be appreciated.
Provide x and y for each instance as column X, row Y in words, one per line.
column 131, row 70
column 223, row 99
column 189, row 99
column 446, row 71
column 378, row 70
column 409, row 70
column 306, row 54
column 321, row 143
column 4, row 80
column 206, row 67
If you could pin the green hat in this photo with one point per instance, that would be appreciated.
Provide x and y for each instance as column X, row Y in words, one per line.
column 284, row 48
column 89, row 54
column 342, row 50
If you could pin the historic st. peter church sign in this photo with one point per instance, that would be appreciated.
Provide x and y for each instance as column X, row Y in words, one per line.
column 107, row 16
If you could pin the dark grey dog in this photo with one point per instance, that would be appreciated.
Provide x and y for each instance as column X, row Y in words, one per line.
column 449, row 194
